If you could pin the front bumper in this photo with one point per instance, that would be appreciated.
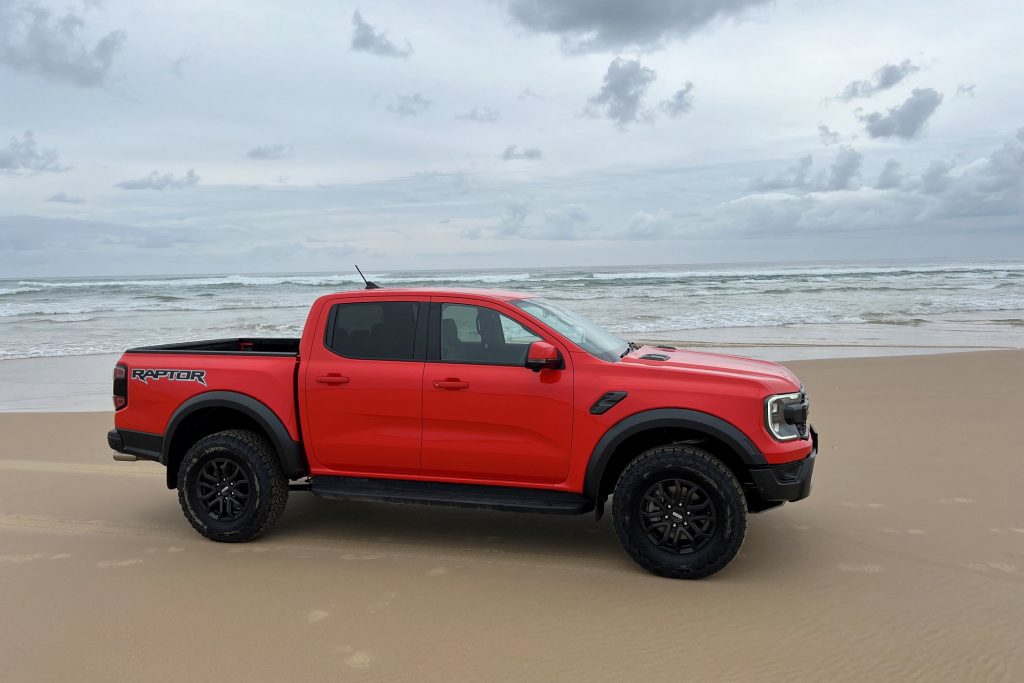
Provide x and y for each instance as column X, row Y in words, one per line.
column 788, row 482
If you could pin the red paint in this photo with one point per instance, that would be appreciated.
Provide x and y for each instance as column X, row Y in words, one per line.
column 464, row 422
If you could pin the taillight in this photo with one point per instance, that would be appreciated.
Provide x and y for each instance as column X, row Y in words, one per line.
column 120, row 386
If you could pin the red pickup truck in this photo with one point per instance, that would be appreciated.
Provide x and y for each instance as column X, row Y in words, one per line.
column 474, row 398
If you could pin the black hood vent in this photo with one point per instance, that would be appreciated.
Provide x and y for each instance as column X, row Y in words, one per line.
column 654, row 356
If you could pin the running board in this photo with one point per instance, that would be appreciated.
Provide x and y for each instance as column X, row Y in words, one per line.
column 456, row 495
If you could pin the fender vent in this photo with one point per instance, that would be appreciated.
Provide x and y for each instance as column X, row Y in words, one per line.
column 654, row 356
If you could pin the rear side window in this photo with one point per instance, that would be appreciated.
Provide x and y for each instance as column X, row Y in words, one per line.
column 384, row 330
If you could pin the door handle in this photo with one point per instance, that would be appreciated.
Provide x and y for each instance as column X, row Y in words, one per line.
column 451, row 384
column 332, row 379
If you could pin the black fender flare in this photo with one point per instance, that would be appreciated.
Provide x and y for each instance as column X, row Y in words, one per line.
column 289, row 451
column 659, row 418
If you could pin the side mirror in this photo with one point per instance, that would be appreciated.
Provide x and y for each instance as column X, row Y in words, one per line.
column 543, row 355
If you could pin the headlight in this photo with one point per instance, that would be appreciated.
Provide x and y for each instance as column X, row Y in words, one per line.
column 786, row 416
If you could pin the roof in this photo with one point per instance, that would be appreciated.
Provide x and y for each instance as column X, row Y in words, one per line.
column 500, row 294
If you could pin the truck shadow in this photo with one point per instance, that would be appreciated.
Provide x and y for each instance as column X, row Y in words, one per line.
column 771, row 546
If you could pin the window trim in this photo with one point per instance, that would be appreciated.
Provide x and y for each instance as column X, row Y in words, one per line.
column 434, row 334
column 419, row 348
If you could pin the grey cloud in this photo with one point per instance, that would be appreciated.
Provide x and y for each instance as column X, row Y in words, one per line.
column 795, row 177
column 966, row 89
column 883, row 79
column 167, row 181
column 621, row 96
column 844, row 169
column 481, row 115
column 177, row 67
column 826, row 135
column 648, row 226
column 609, row 25
column 512, row 152
column 33, row 40
column 680, row 102
column 906, row 120
column 269, row 152
column 568, row 222
column 405, row 106
column 511, row 221
column 935, row 178
column 65, row 198
column 25, row 155
column 530, row 94
column 365, row 38
column 891, row 176
column 840, row 175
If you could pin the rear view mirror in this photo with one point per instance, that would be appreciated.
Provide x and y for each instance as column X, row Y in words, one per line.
column 543, row 355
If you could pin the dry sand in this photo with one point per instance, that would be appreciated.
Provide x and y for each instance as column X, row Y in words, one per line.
column 907, row 561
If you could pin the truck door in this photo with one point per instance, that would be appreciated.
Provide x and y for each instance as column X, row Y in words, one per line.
column 485, row 415
column 363, row 387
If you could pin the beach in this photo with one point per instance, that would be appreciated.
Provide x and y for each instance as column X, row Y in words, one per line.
column 907, row 561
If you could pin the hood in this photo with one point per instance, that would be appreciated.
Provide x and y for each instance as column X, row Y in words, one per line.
column 703, row 361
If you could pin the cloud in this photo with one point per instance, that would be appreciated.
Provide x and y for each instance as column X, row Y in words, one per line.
column 844, row 169
column 565, row 222
column 269, row 152
column 405, row 106
column 512, row 152
column 530, row 94
column 167, row 181
column 826, row 135
column 680, row 102
column 883, row 79
column 612, row 25
column 891, row 177
column 65, row 198
column 906, row 120
column 840, row 175
column 796, row 177
column 935, row 178
column 966, row 89
column 34, row 41
column 621, row 96
column 365, row 38
column 177, row 67
column 25, row 155
column 481, row 115
column 648, row 226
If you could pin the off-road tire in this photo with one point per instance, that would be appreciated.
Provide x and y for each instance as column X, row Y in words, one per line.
column 267, row 486
column 716, row 483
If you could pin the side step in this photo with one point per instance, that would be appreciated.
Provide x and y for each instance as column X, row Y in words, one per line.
column 457, row 495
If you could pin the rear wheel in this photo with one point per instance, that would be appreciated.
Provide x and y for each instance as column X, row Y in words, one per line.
column 679, row 512
column 231, row 487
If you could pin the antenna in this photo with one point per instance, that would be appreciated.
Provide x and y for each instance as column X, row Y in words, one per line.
column 369, row 285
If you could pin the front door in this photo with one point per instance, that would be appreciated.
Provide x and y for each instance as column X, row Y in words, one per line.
column 363, row 388
column 486, row 416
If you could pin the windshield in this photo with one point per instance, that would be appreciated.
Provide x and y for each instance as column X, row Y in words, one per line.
column 593, row 339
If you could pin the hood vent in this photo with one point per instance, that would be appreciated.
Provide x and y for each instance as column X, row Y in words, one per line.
column 654, row 356
column 665, row 347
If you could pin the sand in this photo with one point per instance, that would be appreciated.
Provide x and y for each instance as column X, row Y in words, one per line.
column 907, row 561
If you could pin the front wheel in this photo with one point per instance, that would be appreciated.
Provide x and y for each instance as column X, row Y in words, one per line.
column 679, row 512
column 231, row 487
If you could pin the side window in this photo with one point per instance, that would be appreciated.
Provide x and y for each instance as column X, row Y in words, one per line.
column 384, row 330
column 475, row 334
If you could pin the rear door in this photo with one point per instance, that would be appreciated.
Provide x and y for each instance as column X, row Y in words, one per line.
column 363, row 387
column 485, row 415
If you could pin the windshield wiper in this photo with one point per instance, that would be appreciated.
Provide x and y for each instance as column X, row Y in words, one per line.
column 630, row 346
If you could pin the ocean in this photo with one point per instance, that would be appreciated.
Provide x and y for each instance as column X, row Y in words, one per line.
column 847, row 303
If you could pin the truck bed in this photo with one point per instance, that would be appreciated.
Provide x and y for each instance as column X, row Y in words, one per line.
column 238, row 346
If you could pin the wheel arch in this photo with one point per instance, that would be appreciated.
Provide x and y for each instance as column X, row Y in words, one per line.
column 634, row 434
column 215, row 411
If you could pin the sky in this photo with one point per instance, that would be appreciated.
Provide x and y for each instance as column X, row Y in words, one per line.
column 220, row 137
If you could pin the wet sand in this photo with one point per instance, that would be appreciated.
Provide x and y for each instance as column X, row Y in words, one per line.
column 907, row 561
